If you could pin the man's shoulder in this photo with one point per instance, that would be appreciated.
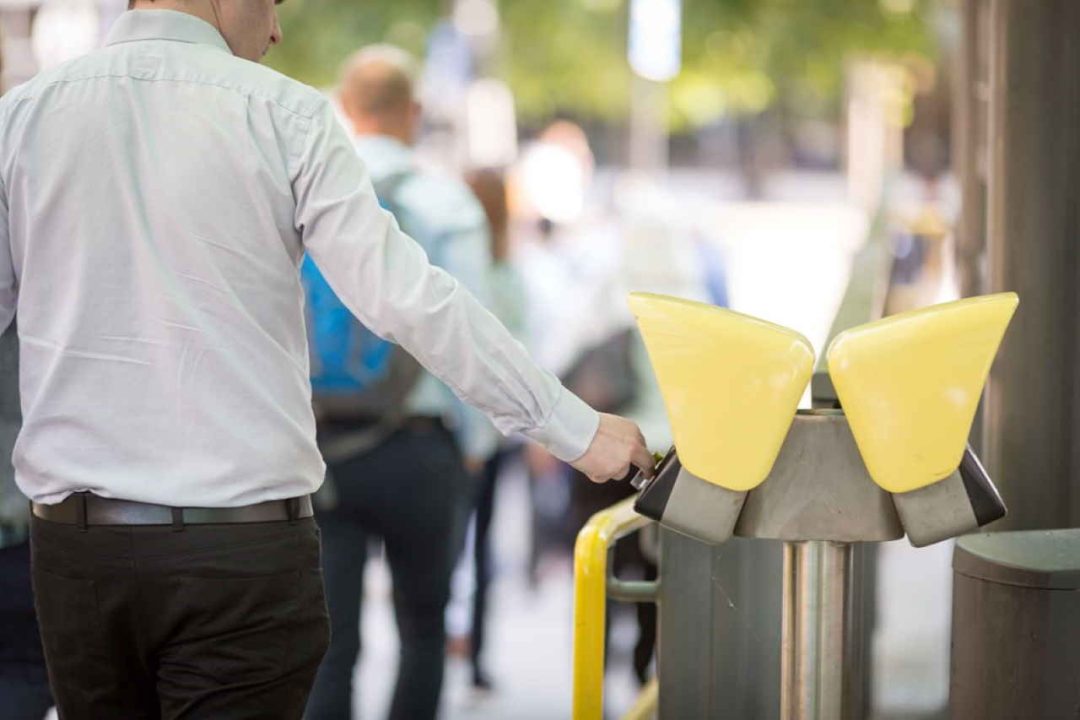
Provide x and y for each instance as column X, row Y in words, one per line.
column 210, row 66
column 30, row 87
column 14, row 96
column 273, row 86
column 197, row 65
column 14, row 102
column 203, row 67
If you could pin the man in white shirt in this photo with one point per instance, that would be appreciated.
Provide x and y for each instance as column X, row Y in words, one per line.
column 156, row 199
column 407, row 485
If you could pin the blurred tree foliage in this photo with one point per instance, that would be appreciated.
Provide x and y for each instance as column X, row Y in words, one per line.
column 739, row 56
column 320, row 34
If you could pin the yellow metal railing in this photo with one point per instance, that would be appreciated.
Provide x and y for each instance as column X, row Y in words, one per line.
column 590, row 600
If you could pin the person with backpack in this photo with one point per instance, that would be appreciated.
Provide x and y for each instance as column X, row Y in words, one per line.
column 157, row 197
column 402, row 451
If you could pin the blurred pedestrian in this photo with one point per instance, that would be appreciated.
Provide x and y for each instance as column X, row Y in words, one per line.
column 404, row 477
column 156, row 200
column 568, row 251
column 508, row 303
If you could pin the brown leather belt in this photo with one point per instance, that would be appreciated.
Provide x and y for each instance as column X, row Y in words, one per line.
column 86, row 509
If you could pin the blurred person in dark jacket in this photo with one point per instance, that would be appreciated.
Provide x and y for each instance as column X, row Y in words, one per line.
column 567, row 252
column 507, row 294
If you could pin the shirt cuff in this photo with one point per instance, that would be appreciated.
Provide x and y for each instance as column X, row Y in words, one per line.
column 570, row 428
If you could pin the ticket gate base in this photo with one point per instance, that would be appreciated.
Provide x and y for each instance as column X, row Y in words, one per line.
column 840, row 504
column 819, row 500
column 750, row 624
column 819, row 489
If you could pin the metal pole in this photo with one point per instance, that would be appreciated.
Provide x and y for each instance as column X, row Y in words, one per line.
column 816, row 672
column 648, row 132
column 1033, row 398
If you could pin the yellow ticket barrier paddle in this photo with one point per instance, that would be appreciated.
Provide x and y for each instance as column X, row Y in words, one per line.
column 731, row 384
column 910, row 385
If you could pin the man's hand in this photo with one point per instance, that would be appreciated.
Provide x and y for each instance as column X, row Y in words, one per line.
column 618, row 445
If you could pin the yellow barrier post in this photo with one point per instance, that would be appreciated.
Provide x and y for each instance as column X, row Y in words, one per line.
column 590, row 599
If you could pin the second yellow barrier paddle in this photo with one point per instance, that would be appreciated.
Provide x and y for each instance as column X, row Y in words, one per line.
column 909, row 385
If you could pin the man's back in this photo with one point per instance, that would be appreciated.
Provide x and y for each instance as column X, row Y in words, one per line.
column 152, row 229
column 155, row 229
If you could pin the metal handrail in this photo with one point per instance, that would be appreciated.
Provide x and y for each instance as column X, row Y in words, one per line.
column 590, row 599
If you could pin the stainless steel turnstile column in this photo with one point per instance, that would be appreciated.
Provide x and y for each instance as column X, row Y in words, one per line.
column 769, row 625
column 817, row 674
column 718, row 654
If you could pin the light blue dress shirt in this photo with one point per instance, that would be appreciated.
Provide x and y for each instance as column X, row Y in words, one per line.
column 156, row 199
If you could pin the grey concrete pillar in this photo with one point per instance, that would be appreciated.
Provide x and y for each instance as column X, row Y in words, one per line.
column 1033, row 400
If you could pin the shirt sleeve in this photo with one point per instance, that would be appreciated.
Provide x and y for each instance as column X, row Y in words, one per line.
column 9, row 286
column 466, row 255
column 385, row 279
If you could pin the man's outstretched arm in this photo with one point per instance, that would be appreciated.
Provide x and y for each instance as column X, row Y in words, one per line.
column 385, row 279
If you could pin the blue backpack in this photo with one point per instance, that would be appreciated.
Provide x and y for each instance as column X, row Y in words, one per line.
column 355, row 374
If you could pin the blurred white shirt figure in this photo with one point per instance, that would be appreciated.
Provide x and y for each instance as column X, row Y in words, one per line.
column 581, row 254
column 567, row 253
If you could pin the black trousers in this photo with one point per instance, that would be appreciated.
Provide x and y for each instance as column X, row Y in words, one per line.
column 413, row 492
column 211, row 621
column 482, row 560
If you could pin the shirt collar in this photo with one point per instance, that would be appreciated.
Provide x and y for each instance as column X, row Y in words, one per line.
column 164, row 25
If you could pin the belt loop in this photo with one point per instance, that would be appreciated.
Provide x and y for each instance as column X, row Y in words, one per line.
column 80, row 511
column 292, row 509
column 177, row 519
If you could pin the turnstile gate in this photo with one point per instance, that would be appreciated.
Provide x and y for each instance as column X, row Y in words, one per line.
column 816, row 482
